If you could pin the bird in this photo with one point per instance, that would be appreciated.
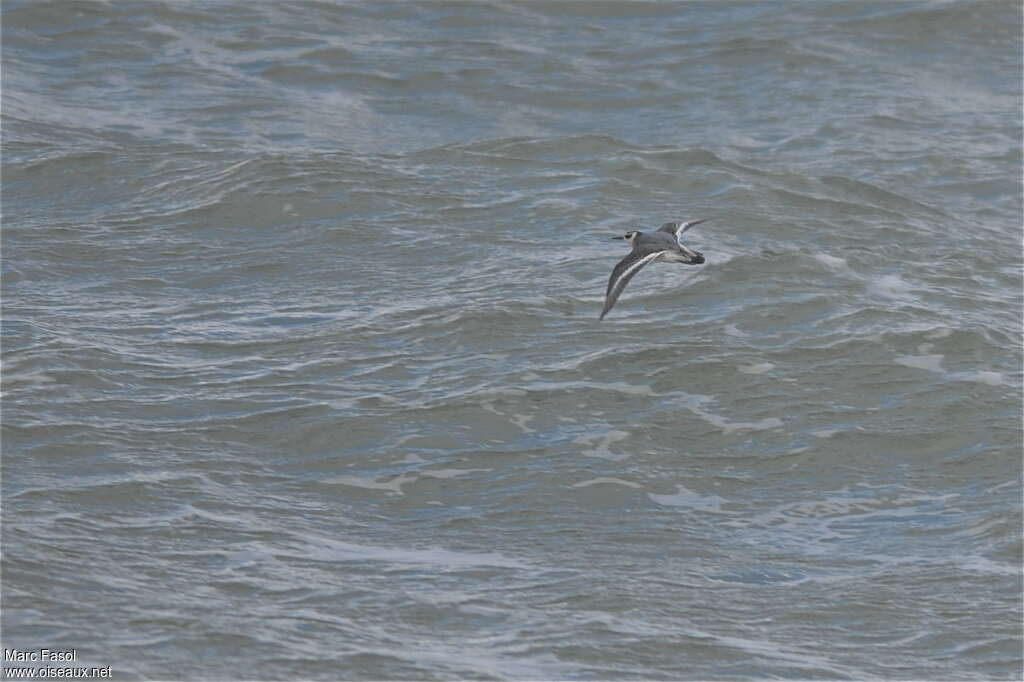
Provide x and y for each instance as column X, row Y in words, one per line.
column 664, row 244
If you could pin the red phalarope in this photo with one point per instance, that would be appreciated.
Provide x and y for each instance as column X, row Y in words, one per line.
column 663, row 244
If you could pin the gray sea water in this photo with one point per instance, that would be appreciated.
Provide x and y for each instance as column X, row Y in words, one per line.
column 303, row 377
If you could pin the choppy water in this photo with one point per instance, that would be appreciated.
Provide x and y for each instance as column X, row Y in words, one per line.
column 303, row 376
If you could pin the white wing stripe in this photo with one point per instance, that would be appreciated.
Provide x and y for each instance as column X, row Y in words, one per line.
column 636, row 266
column 617, row 284
column 683, row 227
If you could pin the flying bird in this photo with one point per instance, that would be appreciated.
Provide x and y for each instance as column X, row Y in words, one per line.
column 664, row 244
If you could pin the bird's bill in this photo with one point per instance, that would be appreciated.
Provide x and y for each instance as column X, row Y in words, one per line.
column 620, row 237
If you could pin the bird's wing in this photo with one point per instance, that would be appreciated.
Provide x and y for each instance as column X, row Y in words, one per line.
column 669, row 227
column 678, row 229
column 623, row 272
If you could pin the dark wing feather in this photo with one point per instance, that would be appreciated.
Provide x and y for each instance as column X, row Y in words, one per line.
column 624, row 271
column 670, row 228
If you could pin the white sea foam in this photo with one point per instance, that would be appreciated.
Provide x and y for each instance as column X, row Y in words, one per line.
column 688, row 498
column 939, row 333
column 321, row 547
column 932, row 363
column 831, row 262
column 890, row 286
column 598, row 446
column 606, row 479
column 411, row 459
column 393, row 485
column 695, row 404
column 982, row 377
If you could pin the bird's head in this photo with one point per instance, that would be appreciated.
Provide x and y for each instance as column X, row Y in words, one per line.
column 629, row 236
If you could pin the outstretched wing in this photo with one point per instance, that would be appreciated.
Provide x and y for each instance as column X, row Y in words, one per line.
column 623, row 272
column 678, row 229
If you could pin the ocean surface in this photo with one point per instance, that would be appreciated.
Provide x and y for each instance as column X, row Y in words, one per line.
column 303, row 376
